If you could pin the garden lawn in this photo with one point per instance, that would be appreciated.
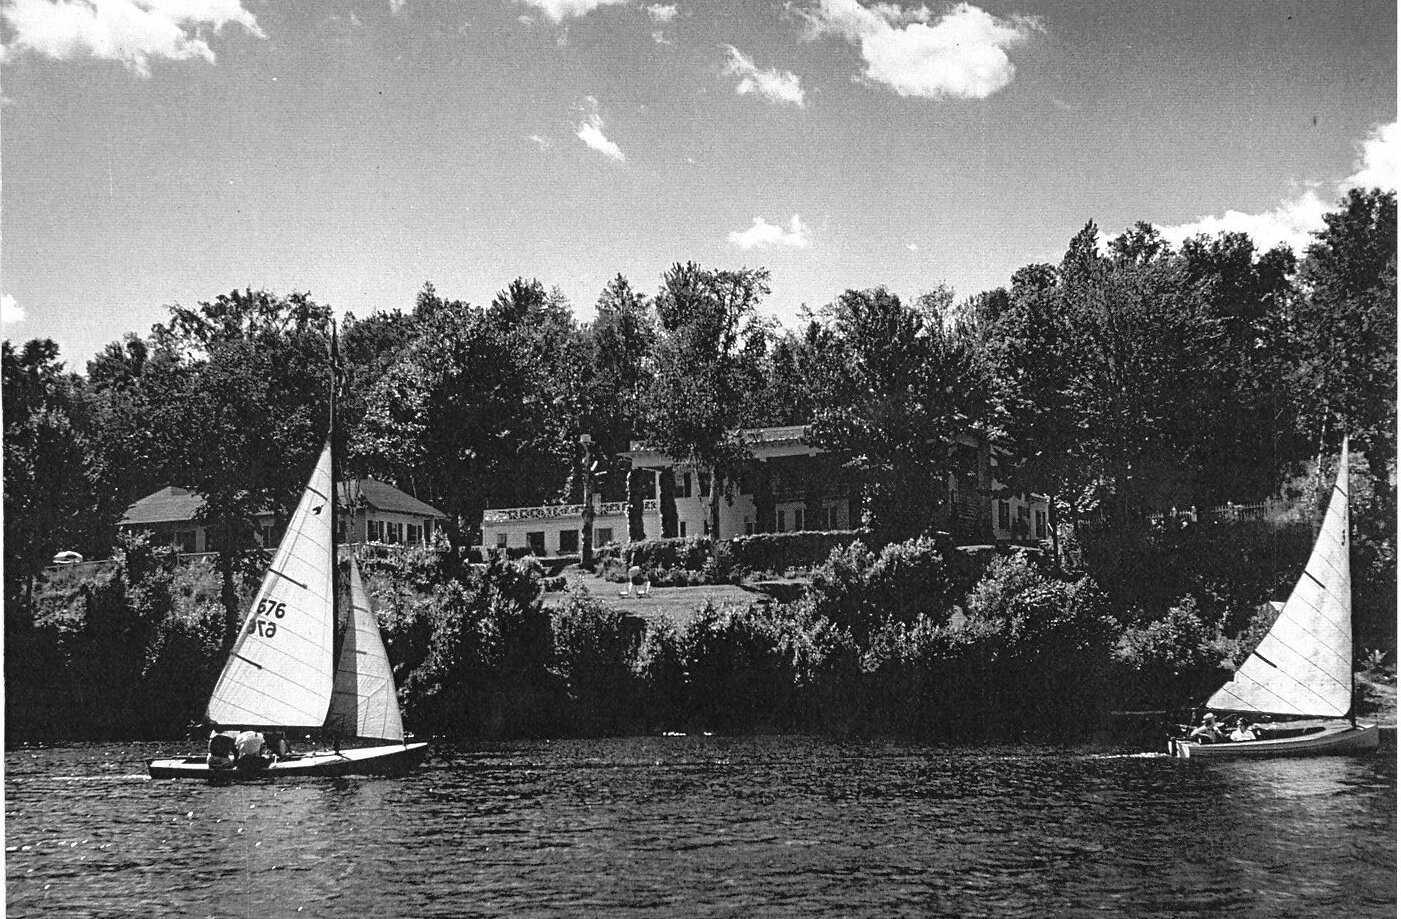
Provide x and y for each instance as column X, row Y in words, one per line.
column 677, row 604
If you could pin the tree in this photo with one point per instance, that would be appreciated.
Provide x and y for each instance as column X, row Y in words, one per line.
column 1342, row 329
column 702, row 369
column 620, row 345
column 463, row 418
column 253, row 418
column 46, row 489
column 910, row 383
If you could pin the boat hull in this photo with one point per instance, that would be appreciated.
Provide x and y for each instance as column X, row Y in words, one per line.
column 390, row 759
column 1335, row 739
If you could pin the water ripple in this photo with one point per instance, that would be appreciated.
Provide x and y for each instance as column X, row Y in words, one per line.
column 693, row 826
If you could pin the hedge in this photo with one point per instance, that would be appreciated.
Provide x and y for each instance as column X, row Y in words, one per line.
column 778, row 552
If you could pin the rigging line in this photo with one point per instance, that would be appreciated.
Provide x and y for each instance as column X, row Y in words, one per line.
column 1302, row 685
column 286, row 578
column 247, row 661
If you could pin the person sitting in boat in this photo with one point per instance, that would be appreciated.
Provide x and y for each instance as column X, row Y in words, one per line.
column 275, row 743
column 249, row 746
column 1207, row 731
column 222, row 751
column 1244, row 731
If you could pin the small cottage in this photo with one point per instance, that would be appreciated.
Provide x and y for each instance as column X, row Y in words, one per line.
column 371, row 511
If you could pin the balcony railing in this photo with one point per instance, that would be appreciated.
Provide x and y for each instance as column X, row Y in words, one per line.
column 560, row 511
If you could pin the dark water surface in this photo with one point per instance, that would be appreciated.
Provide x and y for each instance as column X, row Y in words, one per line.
column 709, row 826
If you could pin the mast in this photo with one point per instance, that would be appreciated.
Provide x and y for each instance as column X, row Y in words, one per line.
column 335, row 499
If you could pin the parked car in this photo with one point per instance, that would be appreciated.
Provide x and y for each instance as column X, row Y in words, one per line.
column 68, row 558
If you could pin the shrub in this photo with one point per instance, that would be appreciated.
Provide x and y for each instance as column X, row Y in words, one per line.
column 782, row 551
column 1174, row 661
column 738, row 675
column 858, row 590
column 595, row 649
column 487, row 668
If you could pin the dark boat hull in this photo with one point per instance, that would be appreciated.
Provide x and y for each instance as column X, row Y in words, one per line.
column 1326, row 741
column 390, row 759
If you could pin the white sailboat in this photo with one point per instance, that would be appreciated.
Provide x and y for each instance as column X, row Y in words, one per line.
column 1302, row 668
column 294, row 669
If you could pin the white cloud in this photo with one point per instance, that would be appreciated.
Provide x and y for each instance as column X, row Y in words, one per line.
column 133, row 32
column 10, row 310
column 544, row 143
column 913, row 247
column 1380, row 162
column 662, row 13
column 962, row 55
column 591, row 132
column 773, row 85
column 1296, row 219
column 765, row 235
column 1291, row 223
column 560, row 10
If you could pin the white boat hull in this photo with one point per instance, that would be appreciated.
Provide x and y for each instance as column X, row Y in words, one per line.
column 1325, row 741
column 389, row 759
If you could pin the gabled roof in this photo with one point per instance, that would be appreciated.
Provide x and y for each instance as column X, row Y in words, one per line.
column 174, row 504
column 171, row 504
column 384, row 497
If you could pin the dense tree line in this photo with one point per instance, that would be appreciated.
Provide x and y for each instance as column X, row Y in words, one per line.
column 1130, row 377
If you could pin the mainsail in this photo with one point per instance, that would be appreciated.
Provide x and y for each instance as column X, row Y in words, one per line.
column 1303, row 665
column 364, row 702
column 279, row 672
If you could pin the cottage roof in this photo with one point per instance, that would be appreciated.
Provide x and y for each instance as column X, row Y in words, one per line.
column 385, row 497
column 174, row 504
column 171, row 504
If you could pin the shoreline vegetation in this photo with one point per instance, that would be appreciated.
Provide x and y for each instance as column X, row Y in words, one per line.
column 920, row 640
column 1130, row 383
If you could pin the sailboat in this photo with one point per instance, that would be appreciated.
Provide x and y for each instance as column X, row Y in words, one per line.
column 295, row 669
column 1302, row 668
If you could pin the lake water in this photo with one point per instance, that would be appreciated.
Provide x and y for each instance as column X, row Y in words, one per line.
column 709, row 826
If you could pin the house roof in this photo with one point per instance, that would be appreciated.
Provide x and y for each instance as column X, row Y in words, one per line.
column 384, row 497
column 171, row 504
column 174, row 504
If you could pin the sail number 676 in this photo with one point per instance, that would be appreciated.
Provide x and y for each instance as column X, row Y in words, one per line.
column 267, row 607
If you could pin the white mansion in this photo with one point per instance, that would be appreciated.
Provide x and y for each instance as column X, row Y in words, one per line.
column 808, row 490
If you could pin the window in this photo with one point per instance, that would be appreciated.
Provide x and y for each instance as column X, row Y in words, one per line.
column 393, row 532
column 1004, row 515
column 748, row 526
column 703, row 480
column 781, row 521
column 568, row 541
column 536, row 542
column 184, row 541
column 798, row 519
column 683, row 485
column 1040, row 524
column 602, row 536
column 828, row 516
column 681, row 529
column 374, row 530
column 500, row 540
column 415, row 534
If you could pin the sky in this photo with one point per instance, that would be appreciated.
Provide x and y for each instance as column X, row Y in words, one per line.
column 155, row 152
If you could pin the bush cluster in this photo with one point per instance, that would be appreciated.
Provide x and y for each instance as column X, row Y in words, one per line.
column 780, row 552
column 914, row 639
